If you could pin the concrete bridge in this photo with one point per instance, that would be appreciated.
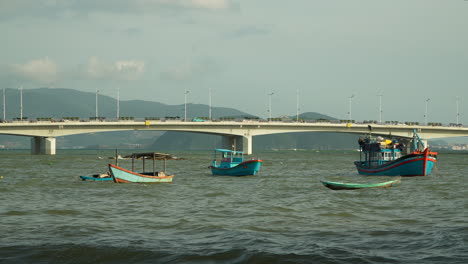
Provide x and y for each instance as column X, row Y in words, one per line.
column 236, row 134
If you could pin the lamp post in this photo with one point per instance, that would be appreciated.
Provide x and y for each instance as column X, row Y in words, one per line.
column 380, row 108
column 4, row 106
column 21, row 102
column 118, row 103
column 458, row 111
column 425, row 114
column 185, row 105
column 297, row 105
column 349, row 111
column 269, row 105
column 97, row 106
column 209, row 102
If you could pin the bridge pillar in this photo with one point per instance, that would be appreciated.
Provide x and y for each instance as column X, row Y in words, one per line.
column 43, row 145
column 240, row 143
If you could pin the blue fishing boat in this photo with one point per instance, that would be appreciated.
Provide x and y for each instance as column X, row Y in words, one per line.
column 97, row 177
column 389, row 157
column 121, row 175
column 232, row 163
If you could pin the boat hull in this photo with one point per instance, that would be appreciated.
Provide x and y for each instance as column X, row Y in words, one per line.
column 245, row 168
column 354, row 186
column 121, row 175
column 87, row 178
column 415, row 164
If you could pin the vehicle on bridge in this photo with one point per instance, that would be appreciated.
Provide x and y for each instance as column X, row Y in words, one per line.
column 232, row 163
column 385, row 157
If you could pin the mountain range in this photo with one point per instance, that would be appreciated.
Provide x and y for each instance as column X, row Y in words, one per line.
column 57, row 103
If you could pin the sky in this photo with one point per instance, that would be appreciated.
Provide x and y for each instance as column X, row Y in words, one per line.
column 335, row 57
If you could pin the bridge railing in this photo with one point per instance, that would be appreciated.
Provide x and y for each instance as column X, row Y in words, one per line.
column 241, row 119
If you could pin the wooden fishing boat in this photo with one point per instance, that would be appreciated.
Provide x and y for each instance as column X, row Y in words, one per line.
column 354, row 186
column 232, row 163
column 390, row 157
column 121, row 175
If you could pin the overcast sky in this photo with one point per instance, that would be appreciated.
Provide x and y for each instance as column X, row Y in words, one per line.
column 327, row 51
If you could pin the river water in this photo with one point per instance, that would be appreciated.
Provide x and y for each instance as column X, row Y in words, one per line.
column 282, row 215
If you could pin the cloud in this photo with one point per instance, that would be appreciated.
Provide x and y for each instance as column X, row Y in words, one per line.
column 119, row 70
column 190, row 70
column 43, row 71
column 55, row 8
column 252, row 30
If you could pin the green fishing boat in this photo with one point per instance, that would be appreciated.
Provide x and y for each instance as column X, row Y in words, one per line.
column 354, row 186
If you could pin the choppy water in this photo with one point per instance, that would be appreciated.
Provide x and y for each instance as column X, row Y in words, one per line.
column 282, row 215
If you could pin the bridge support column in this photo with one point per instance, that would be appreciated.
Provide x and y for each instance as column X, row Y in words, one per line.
column 43, row 145
column 240, row 143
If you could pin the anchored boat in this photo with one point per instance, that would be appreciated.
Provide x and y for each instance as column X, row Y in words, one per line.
column 389, row 157
column 97, row 177
column 354, row 186
column 232, row 163
column 121, row 175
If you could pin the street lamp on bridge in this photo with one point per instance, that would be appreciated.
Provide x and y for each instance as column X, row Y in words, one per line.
column 380, row 107
column 21, row 102
column 297, row 105
column 425, row 113
column 185, row 104
column 350, row 103
column 97, row 106
column 269, row 105
column 209, row 102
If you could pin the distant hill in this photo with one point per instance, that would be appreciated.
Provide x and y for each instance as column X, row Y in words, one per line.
column 59, row 102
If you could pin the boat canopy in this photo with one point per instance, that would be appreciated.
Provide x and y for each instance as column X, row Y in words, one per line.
column 152, row 156
column 229, row 151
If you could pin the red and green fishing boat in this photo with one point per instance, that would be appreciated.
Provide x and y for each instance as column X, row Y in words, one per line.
column 389, row 157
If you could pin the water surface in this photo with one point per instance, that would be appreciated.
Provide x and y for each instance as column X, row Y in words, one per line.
column 282, row 215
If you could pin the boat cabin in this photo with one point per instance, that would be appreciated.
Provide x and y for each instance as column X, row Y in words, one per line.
column 378, row 151
column 150, row 156
column 228, row 158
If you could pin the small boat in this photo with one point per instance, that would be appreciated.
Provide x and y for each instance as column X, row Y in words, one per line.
column 354, row 186
column 390, row 157
column 97, row 177
column 232, row 163
column 121, row 175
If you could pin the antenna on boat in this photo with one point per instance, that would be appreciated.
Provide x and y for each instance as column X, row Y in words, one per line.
column 116, row 158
